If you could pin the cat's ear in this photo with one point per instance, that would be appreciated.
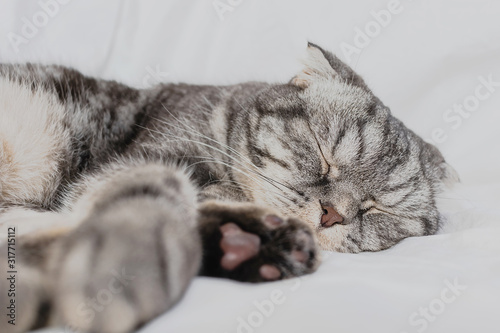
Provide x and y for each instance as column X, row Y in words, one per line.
column 321, row 63
column 316, row 65
column 445, row 172
column 449, row 176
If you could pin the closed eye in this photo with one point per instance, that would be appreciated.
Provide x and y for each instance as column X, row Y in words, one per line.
column 367, row 210
column 363, row 211
column 325, row 166
column 368, row 207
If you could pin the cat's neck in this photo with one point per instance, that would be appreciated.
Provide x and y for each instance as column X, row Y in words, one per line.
column 203, row 127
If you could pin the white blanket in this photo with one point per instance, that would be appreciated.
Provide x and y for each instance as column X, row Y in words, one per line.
column 435, row 63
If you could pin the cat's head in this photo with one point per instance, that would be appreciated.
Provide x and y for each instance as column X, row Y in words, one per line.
column 328, row 151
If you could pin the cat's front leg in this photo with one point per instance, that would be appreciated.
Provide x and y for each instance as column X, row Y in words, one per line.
column 134, row 254
column 130, row 258
column 246, row 242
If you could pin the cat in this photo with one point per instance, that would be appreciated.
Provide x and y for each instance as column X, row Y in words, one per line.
column 119, row 197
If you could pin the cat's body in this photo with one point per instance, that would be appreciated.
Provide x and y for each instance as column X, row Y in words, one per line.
column 157, row 185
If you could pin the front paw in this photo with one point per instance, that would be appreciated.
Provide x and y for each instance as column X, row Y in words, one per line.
column 122, row 267
column 249, row 243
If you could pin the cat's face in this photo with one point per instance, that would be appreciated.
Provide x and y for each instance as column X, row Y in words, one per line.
column 329, row 152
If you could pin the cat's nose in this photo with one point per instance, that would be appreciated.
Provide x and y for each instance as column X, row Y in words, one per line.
column 330, row 217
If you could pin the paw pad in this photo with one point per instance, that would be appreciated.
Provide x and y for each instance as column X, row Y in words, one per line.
column 238, row 246
column 273, row 221
column 269, row 272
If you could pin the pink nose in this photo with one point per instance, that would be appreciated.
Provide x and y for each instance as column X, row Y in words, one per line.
column 330, row 217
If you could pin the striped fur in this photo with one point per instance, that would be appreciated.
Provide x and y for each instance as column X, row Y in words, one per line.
column 102, row 177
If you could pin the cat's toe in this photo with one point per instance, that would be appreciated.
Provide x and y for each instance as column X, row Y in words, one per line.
column 238, row 246
column 293, row 249
column 271, row 248
column 273, row 221
column 269, row 272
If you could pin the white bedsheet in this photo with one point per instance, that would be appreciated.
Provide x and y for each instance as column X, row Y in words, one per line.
column 428, row 56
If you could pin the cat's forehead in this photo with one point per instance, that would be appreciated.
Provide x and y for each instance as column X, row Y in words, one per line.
column 331, row 99
column 326, row 107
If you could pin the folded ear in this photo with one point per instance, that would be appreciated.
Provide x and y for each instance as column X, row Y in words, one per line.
column 316, row 65
column 320, row 63
column 448, row 176
column 437, row 164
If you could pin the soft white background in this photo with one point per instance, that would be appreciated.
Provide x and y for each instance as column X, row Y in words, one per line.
column 427, row 58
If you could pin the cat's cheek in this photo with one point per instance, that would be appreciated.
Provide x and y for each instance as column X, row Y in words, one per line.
column 310, row 213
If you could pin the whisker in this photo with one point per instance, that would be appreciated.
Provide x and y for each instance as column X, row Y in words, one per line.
column 253, row 168
column 221, row 162
column 237, row 185
column 193, row 130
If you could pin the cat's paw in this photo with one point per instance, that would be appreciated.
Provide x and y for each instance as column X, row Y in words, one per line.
column 248, row 243
column 122, row 267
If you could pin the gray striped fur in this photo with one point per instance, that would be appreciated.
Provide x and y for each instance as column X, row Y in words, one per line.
column 118, row 175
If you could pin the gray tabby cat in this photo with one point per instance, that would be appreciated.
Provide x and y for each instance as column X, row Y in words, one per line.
column 121, row 196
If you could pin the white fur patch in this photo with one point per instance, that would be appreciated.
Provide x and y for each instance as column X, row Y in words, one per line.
column 219, row 126
column 32, row 140
column 330, row 239
column 28, row 221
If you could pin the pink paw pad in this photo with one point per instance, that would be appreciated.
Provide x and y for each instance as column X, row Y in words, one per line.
column 269, row 272
column 238, row 246
column 273, row 221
